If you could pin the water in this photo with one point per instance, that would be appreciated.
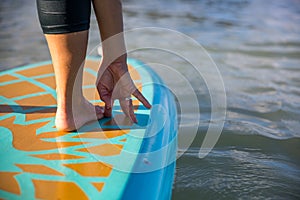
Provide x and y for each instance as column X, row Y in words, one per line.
column 256, row 46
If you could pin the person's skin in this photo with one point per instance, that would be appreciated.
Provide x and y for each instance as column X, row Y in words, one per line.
column 114, row 81
column 68, row 53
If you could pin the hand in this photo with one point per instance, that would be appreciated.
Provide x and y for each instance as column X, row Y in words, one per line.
column 116, row 83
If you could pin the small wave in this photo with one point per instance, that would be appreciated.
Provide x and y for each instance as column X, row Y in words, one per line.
column 238, row 172
column 252, row 128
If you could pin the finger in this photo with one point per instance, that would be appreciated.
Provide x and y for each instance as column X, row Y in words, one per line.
column 108, row 106
column 127, row 108
column 105, row 96
column 108, row 101
column 141, row 98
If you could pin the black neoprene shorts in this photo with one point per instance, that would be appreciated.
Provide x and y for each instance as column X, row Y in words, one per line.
column 64, row 16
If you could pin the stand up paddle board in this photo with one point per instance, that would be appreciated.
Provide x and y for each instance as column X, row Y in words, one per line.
column 106, row 159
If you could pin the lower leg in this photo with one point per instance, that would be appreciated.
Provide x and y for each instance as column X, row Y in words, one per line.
column 68, row 53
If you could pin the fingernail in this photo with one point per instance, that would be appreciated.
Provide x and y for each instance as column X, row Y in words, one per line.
column 135, row 120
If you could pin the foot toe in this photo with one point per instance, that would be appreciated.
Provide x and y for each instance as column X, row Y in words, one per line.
column 99, row 112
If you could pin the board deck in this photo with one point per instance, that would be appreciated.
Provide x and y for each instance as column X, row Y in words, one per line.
column 107, row 159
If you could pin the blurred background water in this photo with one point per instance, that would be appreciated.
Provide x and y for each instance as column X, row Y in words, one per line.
column 256, row 46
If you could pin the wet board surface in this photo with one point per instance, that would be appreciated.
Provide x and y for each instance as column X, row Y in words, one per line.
column 107, row 159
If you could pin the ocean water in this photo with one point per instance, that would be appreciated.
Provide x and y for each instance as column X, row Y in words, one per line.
column 255, row 45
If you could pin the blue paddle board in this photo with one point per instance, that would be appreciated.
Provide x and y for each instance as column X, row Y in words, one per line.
column 106, row 159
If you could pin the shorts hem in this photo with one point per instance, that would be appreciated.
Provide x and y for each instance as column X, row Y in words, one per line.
column 65, row 29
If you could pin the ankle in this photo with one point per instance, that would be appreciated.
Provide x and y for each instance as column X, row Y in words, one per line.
column 66, row 105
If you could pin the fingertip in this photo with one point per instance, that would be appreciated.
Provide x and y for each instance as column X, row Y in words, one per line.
column 108, row 108
column 134, row 120
column 107, row 113
column 147, row 104
column 129, row 111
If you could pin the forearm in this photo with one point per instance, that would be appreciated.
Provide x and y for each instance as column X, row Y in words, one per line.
column 110, row 21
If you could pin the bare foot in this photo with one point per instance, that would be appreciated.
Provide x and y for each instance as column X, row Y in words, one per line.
column 66, row 120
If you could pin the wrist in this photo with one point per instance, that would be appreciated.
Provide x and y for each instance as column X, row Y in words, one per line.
column 121, row 59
